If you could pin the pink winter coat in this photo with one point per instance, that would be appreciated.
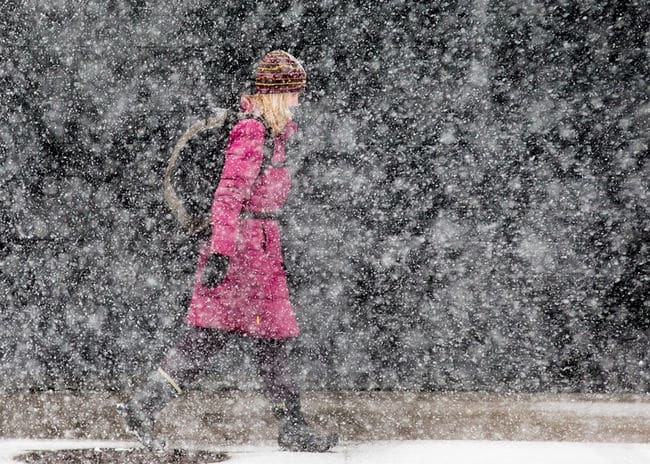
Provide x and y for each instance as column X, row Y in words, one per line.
column 253, row 299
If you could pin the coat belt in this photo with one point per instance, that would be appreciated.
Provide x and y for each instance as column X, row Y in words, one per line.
column 258, row 215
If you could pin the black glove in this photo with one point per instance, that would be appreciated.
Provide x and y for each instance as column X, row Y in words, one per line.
column 214, row 270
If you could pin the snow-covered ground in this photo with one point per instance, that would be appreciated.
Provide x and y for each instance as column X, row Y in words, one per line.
column 375, row 428
column 398, row 452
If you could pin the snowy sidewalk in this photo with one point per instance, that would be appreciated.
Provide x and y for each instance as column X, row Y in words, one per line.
column 378, row 427
column 233, row 417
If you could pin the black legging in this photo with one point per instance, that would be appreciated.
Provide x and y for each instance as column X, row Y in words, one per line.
column 188, row 360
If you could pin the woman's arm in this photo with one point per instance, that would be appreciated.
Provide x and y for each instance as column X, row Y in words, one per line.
column 244, row 155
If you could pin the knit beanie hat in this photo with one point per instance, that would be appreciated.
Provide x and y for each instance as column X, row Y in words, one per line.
column 279, row 72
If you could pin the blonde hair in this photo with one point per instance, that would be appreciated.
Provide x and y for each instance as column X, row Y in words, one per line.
column 274, row 108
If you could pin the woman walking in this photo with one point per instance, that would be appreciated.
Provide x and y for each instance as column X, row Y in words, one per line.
column 240, row 288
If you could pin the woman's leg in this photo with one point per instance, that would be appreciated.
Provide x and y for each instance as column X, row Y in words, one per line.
column 274, row 369
column 189, row 359
column 282, row 390
column 181, row 366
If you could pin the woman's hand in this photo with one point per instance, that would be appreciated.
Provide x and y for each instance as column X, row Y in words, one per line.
column 215, row 270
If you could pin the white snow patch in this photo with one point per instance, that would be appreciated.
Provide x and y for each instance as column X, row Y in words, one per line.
column 402, row 452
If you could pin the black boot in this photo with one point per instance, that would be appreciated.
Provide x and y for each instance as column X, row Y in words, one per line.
column 141, row 410
column 294, row 434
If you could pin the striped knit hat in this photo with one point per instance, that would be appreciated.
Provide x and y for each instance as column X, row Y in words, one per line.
column 279, row 72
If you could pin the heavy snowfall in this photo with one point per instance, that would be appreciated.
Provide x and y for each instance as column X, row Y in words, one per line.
column 469, row 212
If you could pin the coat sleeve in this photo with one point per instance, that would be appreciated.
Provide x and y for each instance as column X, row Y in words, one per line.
column 244, row 154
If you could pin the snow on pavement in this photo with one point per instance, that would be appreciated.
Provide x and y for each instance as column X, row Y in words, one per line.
column 396, row 452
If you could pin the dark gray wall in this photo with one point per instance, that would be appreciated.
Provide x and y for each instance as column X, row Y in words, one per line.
column 470, row 208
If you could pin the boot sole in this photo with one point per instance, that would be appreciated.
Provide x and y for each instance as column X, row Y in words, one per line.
column 330, row 443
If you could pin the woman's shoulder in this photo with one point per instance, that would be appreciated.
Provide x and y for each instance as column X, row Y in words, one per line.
column 250, row 126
